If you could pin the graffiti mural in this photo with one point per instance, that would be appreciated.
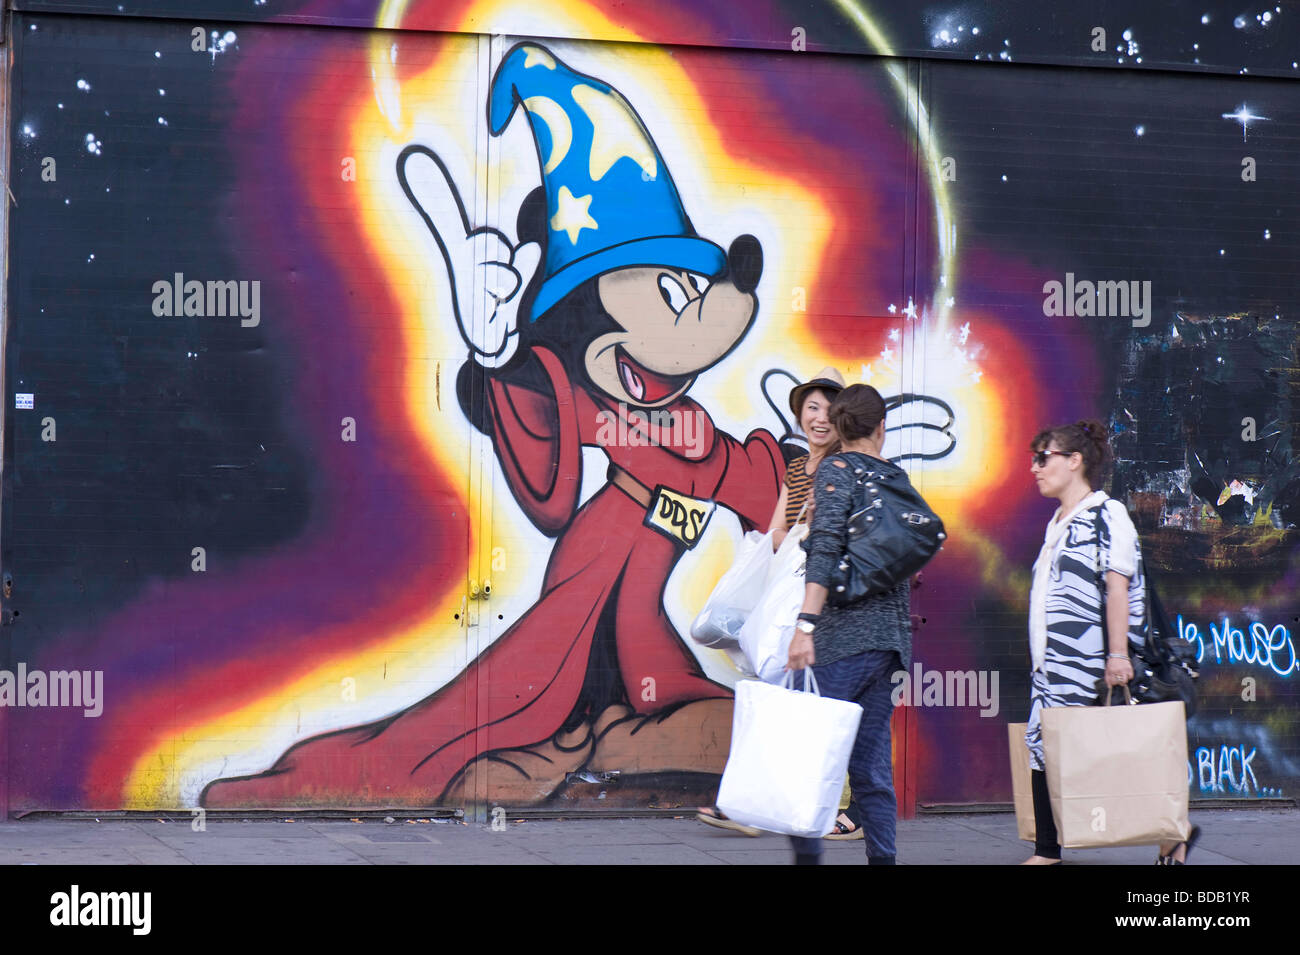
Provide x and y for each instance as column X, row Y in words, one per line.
column 390, row 385
column 628, row 308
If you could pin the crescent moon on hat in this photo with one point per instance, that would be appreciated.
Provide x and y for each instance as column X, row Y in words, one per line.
column 557, row 123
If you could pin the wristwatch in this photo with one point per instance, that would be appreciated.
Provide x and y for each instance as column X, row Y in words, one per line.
column 805, row 626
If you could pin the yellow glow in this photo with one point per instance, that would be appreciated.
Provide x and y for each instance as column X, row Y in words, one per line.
column 383, row 50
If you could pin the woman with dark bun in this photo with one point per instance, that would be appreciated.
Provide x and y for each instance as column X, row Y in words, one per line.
column 1069, row 662
column 855, row 649
column 810, row 401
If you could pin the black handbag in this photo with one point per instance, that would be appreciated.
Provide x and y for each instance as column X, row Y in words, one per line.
column 1164, row 665
column 892, row 533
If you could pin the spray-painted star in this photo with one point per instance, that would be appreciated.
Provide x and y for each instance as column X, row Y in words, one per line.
column 1243, row 115
column 571, row 214
column 616, row 132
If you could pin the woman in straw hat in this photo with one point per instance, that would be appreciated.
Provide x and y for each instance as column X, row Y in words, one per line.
column 809, row 401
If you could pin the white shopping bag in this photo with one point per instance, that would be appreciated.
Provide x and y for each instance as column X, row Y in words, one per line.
column 789, row 753
column 767, row 632
column 718, row 624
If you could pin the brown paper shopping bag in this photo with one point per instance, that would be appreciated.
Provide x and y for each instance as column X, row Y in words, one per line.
column 1117, row 775
column 1021, row 790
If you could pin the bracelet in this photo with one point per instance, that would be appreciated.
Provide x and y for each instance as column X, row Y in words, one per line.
column 810, row 617
column 1117, row 656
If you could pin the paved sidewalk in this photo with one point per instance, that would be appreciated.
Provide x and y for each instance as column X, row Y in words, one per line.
column 1230, row 837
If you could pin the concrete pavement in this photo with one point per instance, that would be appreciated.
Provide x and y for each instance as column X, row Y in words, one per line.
column 1230, row 837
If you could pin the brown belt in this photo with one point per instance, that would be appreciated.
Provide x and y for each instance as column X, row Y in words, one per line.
column 675, row 515
column 629, row 485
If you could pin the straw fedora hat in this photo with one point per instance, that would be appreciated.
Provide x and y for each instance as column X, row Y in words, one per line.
column 828, row 380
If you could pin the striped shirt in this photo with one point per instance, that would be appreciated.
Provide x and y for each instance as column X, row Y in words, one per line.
column 1074, row 661
column 798, row 483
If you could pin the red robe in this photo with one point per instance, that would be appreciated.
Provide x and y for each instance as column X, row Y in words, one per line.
column 521, row 690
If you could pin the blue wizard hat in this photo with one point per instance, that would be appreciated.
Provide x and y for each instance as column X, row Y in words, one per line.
column 610, row 200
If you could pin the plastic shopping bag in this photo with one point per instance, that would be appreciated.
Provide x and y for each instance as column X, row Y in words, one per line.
column 765, row 637
column 718, row 624
column 789, row 753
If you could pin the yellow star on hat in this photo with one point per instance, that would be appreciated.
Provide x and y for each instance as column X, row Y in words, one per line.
column 571, row 214
column 616, row 132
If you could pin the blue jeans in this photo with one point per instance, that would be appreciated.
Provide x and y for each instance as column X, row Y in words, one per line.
column 864, row 678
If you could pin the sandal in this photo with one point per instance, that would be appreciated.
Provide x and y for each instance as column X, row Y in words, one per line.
column 844, row 833
column 712, row 816
column 1192, row 838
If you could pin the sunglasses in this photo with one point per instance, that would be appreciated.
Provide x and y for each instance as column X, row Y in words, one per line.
column 1040, row 457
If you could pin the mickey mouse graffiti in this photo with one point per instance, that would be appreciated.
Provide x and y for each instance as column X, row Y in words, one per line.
column 608, row 307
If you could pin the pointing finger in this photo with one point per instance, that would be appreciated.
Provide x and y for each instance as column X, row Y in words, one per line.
column 429, row 188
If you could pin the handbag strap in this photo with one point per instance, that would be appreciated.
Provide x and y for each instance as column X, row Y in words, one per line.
column 860, row 476
column 1147, row 617
column 1101, row 589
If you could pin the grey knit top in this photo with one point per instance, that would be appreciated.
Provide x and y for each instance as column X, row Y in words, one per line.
column 879, row 622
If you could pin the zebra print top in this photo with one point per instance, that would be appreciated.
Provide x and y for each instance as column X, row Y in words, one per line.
column 1075, row 651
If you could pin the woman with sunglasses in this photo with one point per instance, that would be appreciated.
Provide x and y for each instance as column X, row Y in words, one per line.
column 1065, row 605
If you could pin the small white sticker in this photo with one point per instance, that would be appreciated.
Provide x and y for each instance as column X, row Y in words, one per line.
column 22, row 401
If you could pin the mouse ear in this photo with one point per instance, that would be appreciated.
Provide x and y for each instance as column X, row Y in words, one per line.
column 530, row 225
column 745, row 262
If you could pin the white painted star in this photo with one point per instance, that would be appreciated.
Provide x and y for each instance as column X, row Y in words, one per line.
column 893, row 334
column 887, row 353
column 1243, row 115
column 965, row 333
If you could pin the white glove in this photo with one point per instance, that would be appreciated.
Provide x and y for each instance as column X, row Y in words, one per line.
column 485, row 270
